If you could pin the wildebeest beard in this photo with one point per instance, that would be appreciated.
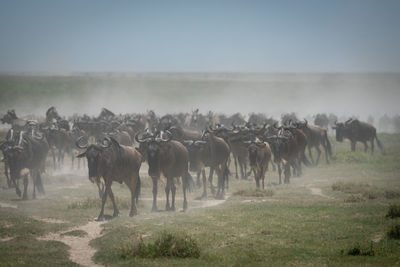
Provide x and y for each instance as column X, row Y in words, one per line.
column 153, row 156
column 93, row 155
column 252, row 155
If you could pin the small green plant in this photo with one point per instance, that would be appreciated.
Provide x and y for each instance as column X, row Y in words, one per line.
column 394, row 232
column 178, row 245
column 358, row 251
column 394, row 211
column 254, row 193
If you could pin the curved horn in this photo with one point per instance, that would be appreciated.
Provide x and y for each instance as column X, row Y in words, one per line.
column 139, row 140
column 108, row 142
column 188, row 142
column 78, row 145
column 169, row 134
column 38, row 136
column 348, row 121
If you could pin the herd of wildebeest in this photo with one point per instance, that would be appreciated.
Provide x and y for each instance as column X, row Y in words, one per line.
column 172, row 145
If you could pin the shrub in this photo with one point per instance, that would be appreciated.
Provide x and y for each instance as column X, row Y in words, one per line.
column 394, row 211
column 358, row 251
column 354, row 198
column 166, row 245
column 394, row 232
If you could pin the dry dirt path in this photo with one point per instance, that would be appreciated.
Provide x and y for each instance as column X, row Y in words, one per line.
column 80, row 250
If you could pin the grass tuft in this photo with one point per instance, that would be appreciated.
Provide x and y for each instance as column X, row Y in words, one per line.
column 394, row 232
column 166, row 245
column 354, row 198
column 254, row 193
column 358, row 251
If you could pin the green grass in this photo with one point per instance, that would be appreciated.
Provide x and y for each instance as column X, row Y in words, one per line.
column 284, row 225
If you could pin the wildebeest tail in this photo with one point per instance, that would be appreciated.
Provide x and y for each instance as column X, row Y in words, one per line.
column 380, row 145
column 328, row 144
column 138, row 189
column 190, row 182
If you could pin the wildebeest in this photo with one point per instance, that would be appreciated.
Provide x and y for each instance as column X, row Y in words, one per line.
column 316, row 136
column 285, row 151
column 16, row 123
column 27, row 152
column 357, row 131
column 170, row 158
column 60, row 139
column 212, row 152
column 259, row 157
column 113, row 162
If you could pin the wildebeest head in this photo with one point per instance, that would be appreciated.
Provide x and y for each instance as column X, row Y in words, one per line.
column 195, row 149
column 253, row 148
column 278, row 144
column 340, row 130
column 154, row 147
column 94, row 154
column 9, row 117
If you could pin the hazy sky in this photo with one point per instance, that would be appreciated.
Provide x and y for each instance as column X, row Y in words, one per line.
column 188, row 35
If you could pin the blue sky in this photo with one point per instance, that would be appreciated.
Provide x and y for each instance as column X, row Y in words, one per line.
column 190, row 36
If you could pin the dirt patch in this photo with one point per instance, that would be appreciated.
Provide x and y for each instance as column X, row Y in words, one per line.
column 259, row 200
column 377, row 238
column 6, row 205
column 49, row 220
column 318, row 192
column 80, row 250
column 5, row 239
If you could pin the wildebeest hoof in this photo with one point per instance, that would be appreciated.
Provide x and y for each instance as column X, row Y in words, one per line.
column 131, row 214
column 100, row 219
column 154, row 209
column 220, row 197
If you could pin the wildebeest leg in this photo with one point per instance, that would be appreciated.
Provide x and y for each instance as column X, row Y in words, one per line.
column 263, row 170
column 210, row 178
column 353, row 146
column 173, row 191
column 204, row 195
column 287, row 172
column 257, row 178
column 53, row 153
column 319, row 154
column 167, row 189
column 110, row 192
column 273, row 166
column 221, row 183
column 103, row 202
column 198, row 183
column 326, row 153
column 34, row 182
column 155, row 181
column 235, row 161
column 280, row 173
column 310, row 154
column 372, row 146
column 184, row 188
column 9, row 182
column 365, row 146
column 25, row 195
column 132, row 184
